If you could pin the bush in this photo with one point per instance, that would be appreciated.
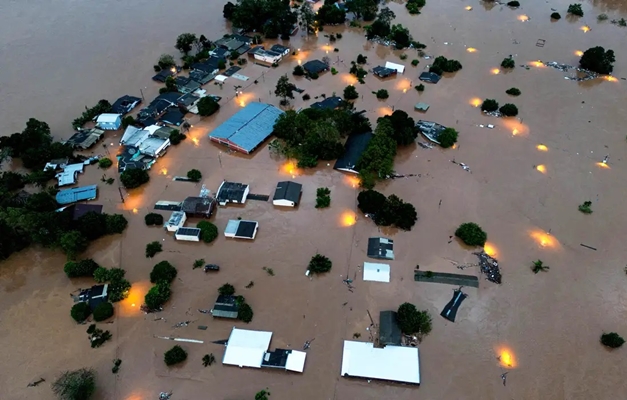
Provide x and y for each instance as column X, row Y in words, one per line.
column 420, row 88
column 298, row 71
column 382, row 94
column 412, row 321
column 207, row 106
column 612, row 340
column 163, row 272
column 403, row 56
column 153, row 248
column 513, row 91
column 508, row 63
column 134, row 178
column 227, row 290
column 585, row 207
column 105, row 163
column 471, row 234
column 323, row 197
column 75, row 385
column 414, row 62
column 319, row 264
column 194, row 175
column 575, row 9
column 602, row 17
column 448, row 137
column 598, row 60
column 80, row 311
column 208, row 231
column 556, row 16
column 333, row 70
column 370, row 201
column 174, row 356
column 513, row 4
column 361, row 59
column 350, row 93
column 152, row 219
column 489, row 105
column 314, row 75
column 85, row 267
column 509, row 110
column 103, row 311
column 245, row 313
column 158, row 295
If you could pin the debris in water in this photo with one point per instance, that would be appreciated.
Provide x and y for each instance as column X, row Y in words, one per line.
column 490, row 266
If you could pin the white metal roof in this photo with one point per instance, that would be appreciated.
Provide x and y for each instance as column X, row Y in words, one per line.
column 66, row 178
column 221, row 78
column 296, row 361
column 398, row 67
column 246, row 348
column 152, row 145
column 376, row 272
column 392, row 363
column 108, row 118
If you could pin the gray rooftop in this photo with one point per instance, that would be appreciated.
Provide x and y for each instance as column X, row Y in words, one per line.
column 77, row 194
column 288, row 190
column 231, row 191
column 249, row 127
column 381, row 248
column 188, row 232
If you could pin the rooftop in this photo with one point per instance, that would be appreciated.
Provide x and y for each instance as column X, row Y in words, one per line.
column 330, row 103
column 383, row 72
column 225, row 307
column 353, row 149
column 241, row 229
column 173, row 117
column 85, row 138
column 125, row 104
column 249, row 127
column 82, row 209
column 288, row 190
column 391, row 363
column 73, row 195
column 232, row 192
column 376, row 272
column 131, row 157
column 397, row 67
column 380, row 247
column 107, row 118
column 198, row 205
column 187, row 232
column 315, row 66
column 280, row 49
column 429, row 77
column 389, row 331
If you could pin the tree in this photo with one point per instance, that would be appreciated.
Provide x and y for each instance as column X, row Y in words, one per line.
column 612, row 340
column 245, row 312
column 508, row 63
column 598, row 60
column 101, row 275
column 118, row 287
column 400, row 35
column 319, row 264
column 163, row 272
column 406, row 216
column 509, row 110
column 105, row 163
column 170, row 85
column 115, row 223
column 298, row 70
column 329, row 14
column 361, row 59
column 80, row 311
column 194, row 175
column 538, row 266
column 513, row 91
column 73, row 243
column 442, row 64
column 184, row 42
column 152, row 219
column 226, row 290
column 208, row 231
column 448, row 137
column 585, row 207
column 103, row 311
column 307, row 15
column 166, row 61
column 575, row 9
column 412, row 321
column 75, row 385
column 382, row 94
column 284, row 89
column 92, row 225
column 208, row 359
column 323, row 197
column 228, row 10
column 153, row 248
column 176, row 136
column 399, row 126
column 158, row 295
column 134, row 178
column 262, row 395
column 556, row 16
column 82, row 268
column 370, row 201
column 174, row 356
column 471, row 234
column 489, row 105
column 207, row 106
column 350, row 93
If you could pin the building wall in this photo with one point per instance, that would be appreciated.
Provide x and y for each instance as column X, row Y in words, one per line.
column 187, row 238
column 283, row 203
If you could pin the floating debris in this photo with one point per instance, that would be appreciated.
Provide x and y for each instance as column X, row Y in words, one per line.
column 165, row 396
column 489, row 266
column 182, row 324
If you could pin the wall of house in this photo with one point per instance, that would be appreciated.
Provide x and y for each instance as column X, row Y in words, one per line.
column 187, row 238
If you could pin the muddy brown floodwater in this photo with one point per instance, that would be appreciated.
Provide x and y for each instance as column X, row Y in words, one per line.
column 59, row 57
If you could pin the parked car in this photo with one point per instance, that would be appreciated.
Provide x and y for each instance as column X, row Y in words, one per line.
column 212, row 267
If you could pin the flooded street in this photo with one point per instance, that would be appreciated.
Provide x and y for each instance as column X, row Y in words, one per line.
column 527, row 179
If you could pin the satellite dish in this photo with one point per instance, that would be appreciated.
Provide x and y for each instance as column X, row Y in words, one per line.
column 131, row 150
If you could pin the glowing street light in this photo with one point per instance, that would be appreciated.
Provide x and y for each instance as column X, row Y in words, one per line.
column 542, row 147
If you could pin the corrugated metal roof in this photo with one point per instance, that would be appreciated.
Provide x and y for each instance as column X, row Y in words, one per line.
column 249, row 127
column 73, row 195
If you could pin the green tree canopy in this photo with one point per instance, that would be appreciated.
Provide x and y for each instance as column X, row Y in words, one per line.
column 350, row 93
column 103, row 311
column 73, row 243
column 509, row 110
column 412, row 321
column 184, row 42
column 319, row 264
column 612, row 340
column 489, row 105
column 194, row 175
column 134, row 178
column 75, row 385
column 163, row 271
column 245, row 312
column 448, row 137
column 403, row 128
column 284, row 89
column 174, row 356
column 80, row 311
column 226, row 290
column 598, row 60
column 208, row 231
column 370, row 201
column 207, row 106
column 158, row 295
column 471, row 234
column 152, row 219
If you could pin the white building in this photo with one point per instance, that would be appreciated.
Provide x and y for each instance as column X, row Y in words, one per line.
column 232, row 192
column 240, row 229
column 176, row 221
column 391, row 363
column 287, row 194
column 398, row 67
column 109, row 122
column 247, row 348
column 187, row 234
column 376, row 272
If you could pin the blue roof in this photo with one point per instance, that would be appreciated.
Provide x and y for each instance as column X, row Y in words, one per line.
column 249, row 127
column 73, row 195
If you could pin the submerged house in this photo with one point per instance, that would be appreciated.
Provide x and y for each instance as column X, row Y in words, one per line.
column 248, row 348
column 330, row 103
column 232, row 192
column 85, row 138
column 315, row 67
column 225, row 307
column 391, row 363
column 381, row 248
column 94, row 295
column 130, row 157
column 186, row 85
column 430, row 77
column 287, row 194
column 176, row 221
column 431, row 130
column 125, row 104
column 187, row 234
column 148, row 141
column 198, row 207
column 383, row 72
column 241, row 229
column 353, row 149
column 69, row 196
column 389, row 331
column 109, row 122
column 78, row 210
column 397, row 67
column 376, row 272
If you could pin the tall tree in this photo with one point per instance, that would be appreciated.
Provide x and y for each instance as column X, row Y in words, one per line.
column 184, row 42
column 75, row 385
column 308, row 15
column 284, row 89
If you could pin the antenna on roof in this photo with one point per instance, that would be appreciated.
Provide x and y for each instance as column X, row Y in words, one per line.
column 204, row 192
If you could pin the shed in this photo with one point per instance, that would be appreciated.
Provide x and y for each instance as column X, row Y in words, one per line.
column 383, row 72
column 381, row 248
column 198, row 207
column 398, row 67
column 225, row 307
column 421, row 107
column 430, row 77
column 85, row 138
column 187, row 234
column 109, row 122
column 94, row 295
column 315, row 67
column 232, row 192
column 330, row 103
column 247, row 128
column 176, row 221
column 74, row 195
column 389, row 331
column 376, row 272
column 391, row 363
column 240, row 229
column 287, row 194
column 353, row 149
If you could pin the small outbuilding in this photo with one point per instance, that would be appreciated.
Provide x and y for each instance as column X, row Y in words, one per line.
column 287, row 194
column 391, row 363
column 421, row 107
column 187, row 234
column 94, row 295
column 240, row 229
column 109, row 122
column 381, row 248
column 353, row 149
column 315, row 67
column 376, row 272
column 383, row 72
column 430, row 77
column 176, row 221
column 397, row 67
column 389, row 331
column 225, row 307
column 69, row 196
column 85, row 138
column 232, row 192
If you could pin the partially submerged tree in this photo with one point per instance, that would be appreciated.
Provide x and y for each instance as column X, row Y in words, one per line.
column 194, row 175
column 152, row 219
column 75, row 385
column 575, row 9
column 207, row 106
column 284, row 89
column 319, row 264
column 166, row 61
column 508, row 63
column 370, row 201
column 442, row 64
column 103, row 311
column 298, row 70
column 163, row 272
column 184, row 42
column 158, row 295
column 556, row 16
column 513, row 91
column 586, row 207
column 413, row 321
column 80, row 311
column 538, row 266
column 262, row 395
column 350, row 93
column 208, row 231
column 227, row 290
column 153, row 248
column 323, row 197
column 447, row 138
column 471, row 234
column 612, row 340
column 597, row 59
column 509, row 110
column 489, row 105
column 134, row 178
column 174, row 356
column 245, row 312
